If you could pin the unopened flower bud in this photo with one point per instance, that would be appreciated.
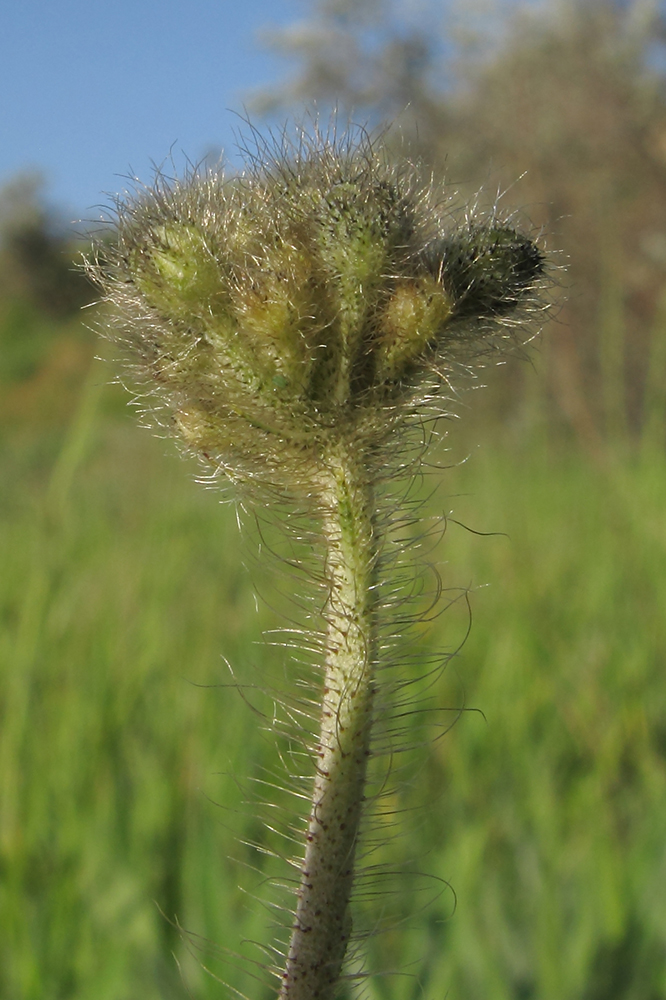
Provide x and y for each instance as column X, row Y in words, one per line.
column 488, row 269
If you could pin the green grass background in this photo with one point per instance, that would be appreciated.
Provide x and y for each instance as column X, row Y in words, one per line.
column 125, row 757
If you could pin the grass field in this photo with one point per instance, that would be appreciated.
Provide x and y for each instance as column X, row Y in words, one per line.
column 126, row 760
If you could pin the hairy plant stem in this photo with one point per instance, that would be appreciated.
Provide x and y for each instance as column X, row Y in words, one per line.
column 290, row 322
column 322, row 922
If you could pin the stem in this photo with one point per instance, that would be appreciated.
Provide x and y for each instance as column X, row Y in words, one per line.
column 322, row 922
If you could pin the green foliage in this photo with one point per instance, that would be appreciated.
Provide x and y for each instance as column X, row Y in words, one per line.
column 122, row 586
column 108, row 747
column 550, row 820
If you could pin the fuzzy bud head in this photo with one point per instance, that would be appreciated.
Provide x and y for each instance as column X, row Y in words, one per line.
column 307, row 300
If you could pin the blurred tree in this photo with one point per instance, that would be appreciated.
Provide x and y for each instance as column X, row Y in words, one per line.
column 45, row 348
column 568, row 97
column 358, row 56
column 38, row 252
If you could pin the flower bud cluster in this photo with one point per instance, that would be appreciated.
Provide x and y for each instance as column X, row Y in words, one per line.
column 307, row 300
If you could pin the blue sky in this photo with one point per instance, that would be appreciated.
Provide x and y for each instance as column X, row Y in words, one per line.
column 91, row 90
